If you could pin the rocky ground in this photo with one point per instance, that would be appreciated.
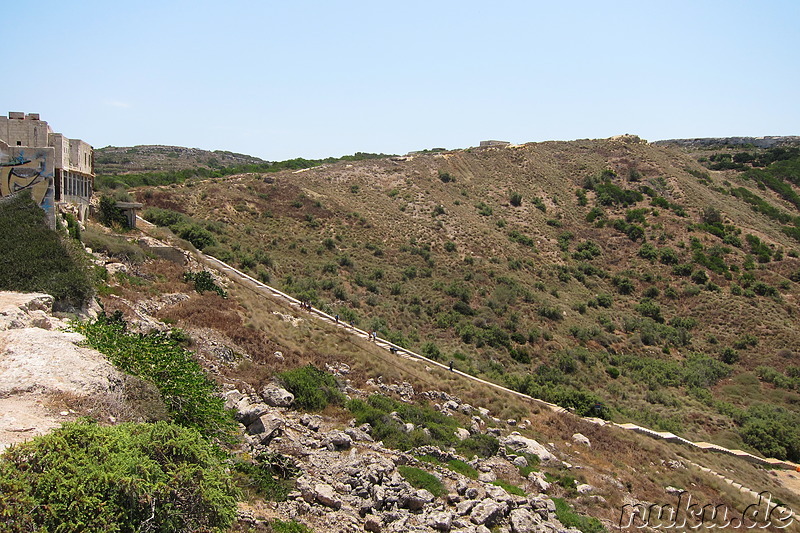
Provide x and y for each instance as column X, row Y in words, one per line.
column 346, row 482
column 351, row 483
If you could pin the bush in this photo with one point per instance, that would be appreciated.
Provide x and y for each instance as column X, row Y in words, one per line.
column 36, row 259
column 515, row 199
column 457, row 465
column 160, row 359
column 203, row 281
column 421, row 479
column 86, row 477
column 550, row 312
column 376, row 411
column 110, row 215
column 567, row 516
column 313, row 389
column 478, row 444
column 270, row 474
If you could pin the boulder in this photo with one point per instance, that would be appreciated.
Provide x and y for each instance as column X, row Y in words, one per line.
column 372, row 523
column 584, row 488
column 524, row 521
column 276, row 396
column 520, row 461
column 538, row 480
column 487, row 477
column 497, row 493
column 338, row 440
column 324, row 494
column 465, row 507
column 357, row 434
column 440, row 520
column 488, row 512
column 462, row 433
column 248, row 411
column 415, row 500
column 312, row 422
column 580, row 438
column 521, row 444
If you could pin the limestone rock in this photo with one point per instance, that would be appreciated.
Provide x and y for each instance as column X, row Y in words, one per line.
column 248, row 411
column 488, row 512
column 465, row 507
column 580, row 438
column 524, row 521
column 312, row 422
column 324, row 494
column 276, row 396
column 338, row 440
column 521, row 444
column 416, row 500
column 440, row 520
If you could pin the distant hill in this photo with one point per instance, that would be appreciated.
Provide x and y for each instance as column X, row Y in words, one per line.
column 157, row 158
column 755, row 142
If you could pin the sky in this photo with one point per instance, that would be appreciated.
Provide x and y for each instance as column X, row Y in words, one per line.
column 314, row 79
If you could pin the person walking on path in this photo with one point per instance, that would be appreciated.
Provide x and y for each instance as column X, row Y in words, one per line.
column 451, row 366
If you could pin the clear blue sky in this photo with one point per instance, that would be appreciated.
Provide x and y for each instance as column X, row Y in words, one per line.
column 324, row 78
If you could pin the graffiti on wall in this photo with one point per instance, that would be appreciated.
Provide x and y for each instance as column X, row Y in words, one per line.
column 21, row 173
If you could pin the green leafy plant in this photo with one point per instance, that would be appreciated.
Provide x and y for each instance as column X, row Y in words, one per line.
column 421, row 479
column 86, row 477
column 160, row 359
column 313, row 388
column 36, row 258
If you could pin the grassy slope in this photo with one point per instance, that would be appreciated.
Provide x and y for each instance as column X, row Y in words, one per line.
column 280, row 231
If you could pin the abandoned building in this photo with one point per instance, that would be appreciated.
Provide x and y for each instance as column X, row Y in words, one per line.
column 57, row 170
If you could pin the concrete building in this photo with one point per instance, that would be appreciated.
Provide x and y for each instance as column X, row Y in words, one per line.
column 57, row 170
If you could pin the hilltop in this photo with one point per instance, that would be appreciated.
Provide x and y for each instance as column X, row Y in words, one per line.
column 158, row 158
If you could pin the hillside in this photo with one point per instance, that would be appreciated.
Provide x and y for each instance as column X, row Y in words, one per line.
column 157, row 158
column 615, row 277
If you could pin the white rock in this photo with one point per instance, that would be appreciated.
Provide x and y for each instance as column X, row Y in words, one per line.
column 462, row 433
column 325, row 495
column 580, row 438
column 521, row 444
column 524, row 521
column 520, row 461
column 276, row 396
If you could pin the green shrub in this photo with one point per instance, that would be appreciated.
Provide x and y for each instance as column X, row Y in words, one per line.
column 36, row 259
column 313, row 389
column 550, row 312
column 421, row 479
column 203, row 281
column 292, row 526
column 515, row 199
column 508, row 487
column 160, row 359
column 86, row 477
column 567, row 516
column 478, row 444
column 270, row 474
column 457, row 465
column 772, row 430
column 110, row 215
column 113, row 246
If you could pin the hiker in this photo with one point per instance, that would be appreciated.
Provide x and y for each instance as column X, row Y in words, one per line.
column 451, row 366
column 393, row 350
column 336, row 318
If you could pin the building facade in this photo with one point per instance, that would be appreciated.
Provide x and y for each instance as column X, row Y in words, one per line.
column 57, row 170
